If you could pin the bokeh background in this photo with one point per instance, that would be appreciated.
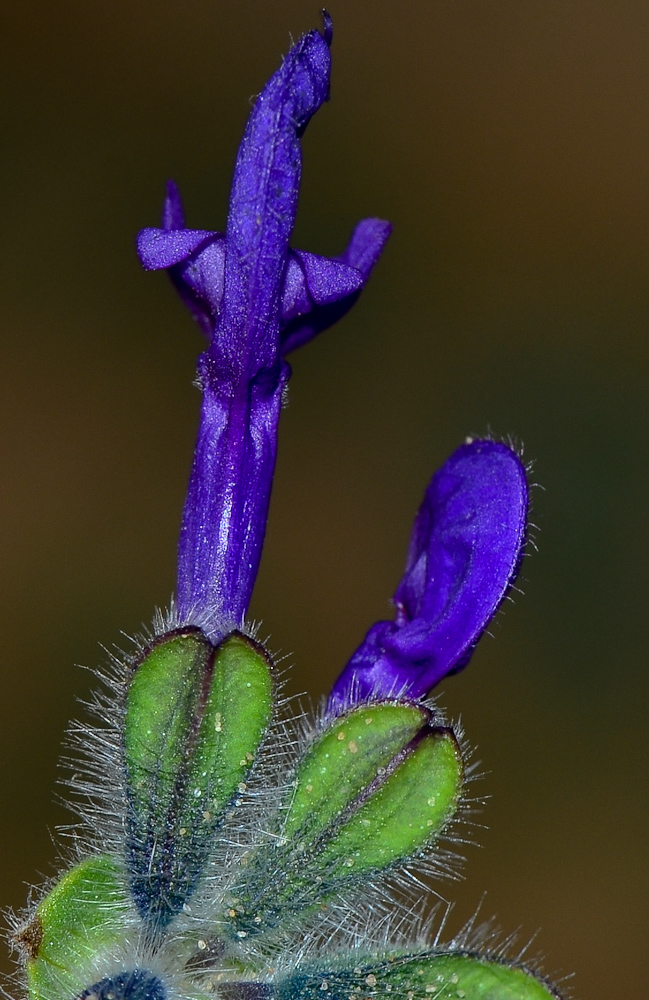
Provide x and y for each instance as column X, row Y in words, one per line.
column 508, row 140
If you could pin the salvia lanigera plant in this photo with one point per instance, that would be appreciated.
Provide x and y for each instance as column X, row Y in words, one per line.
column 225, row 848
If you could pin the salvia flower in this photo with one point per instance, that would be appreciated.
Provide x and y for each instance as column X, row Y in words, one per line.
column 256, row 299
column 226, row 850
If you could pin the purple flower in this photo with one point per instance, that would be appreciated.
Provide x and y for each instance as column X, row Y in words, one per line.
column 255, row 299
column 465, row 552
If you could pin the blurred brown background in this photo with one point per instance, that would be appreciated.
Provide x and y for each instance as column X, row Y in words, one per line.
column 508, row 140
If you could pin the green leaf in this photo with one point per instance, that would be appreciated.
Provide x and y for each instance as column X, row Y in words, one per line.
column 84, row 915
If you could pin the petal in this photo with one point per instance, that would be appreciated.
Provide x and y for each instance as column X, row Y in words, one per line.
column 327, row 280
column 312, row 281
column 318, row 291
column 161, row 248
column 224, row 520
column 296, row 300
column 366, row 245
column 465, row 552
column 200, row 281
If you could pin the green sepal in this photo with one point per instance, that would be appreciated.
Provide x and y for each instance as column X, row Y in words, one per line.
column 85, row 914
column 161, row 710
column 373, row 791
column 195, row 717
column 344, row 761
column 406, row 812
column 236, row 716
column 429, row 976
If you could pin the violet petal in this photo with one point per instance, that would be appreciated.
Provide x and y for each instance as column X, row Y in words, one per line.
column 162, row 248
column 465, row 552
column 366, row 245
column 200, row 280
column 312, row 281
column 305, row 311
column 173, row 214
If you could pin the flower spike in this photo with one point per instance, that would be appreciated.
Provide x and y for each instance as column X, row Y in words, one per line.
column 224, row 849
column 256, row 300
column 465, row 553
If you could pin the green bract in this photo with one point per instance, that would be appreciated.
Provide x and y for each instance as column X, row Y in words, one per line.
column 195, row 717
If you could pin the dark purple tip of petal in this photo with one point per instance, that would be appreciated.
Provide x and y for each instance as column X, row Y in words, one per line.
column 173, row 216
column 465, row 552
column 327, row 27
